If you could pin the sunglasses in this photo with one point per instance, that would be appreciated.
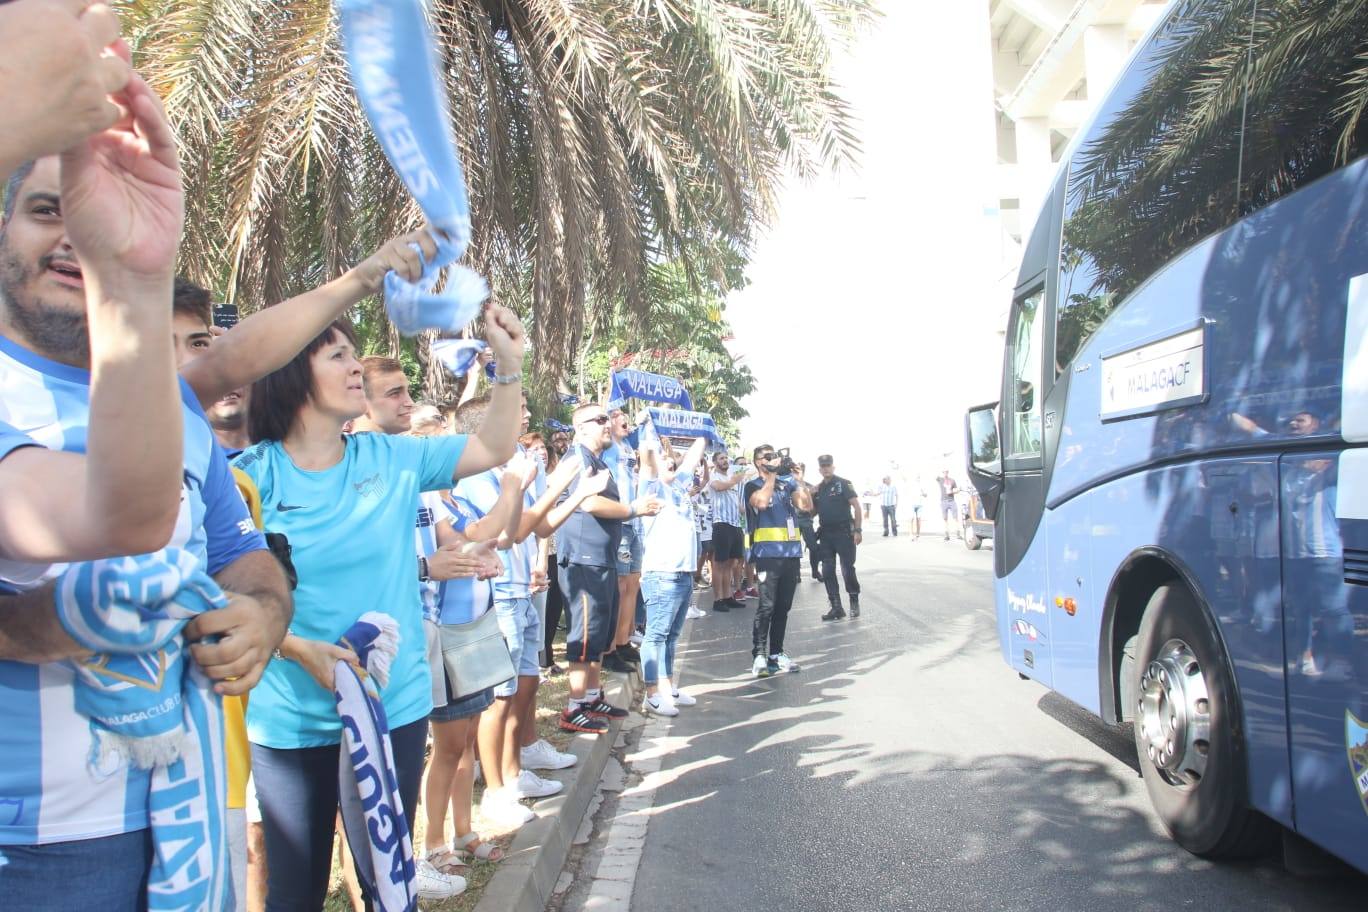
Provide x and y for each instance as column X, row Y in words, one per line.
column 600, row 420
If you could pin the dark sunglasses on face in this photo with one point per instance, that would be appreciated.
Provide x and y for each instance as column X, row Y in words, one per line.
column 599, row 420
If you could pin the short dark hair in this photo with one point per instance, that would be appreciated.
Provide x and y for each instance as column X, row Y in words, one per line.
column 584, row 407
column 278, row 396
column 471, row 414
column 12, row 185
column 190, row 300
column 755, row 453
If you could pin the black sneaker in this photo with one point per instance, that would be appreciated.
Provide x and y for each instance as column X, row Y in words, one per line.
column 614, row 662
column 722, row 605
column 835, row 614
column 602, row 709
column 577, row 720
column 854, row 606
column 736, row 602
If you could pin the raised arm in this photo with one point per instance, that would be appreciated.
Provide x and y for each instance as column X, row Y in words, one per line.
column 122, row 209
column 498, row 435
column 504, row 519
column 269, row 338
column 692, row 457
column 588, row 486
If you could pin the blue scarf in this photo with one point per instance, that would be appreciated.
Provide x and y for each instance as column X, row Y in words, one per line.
column 679, row 423
column 635, row 384
column 394, row 69
column 458, row 355
column 372, row 811
column 151, row 704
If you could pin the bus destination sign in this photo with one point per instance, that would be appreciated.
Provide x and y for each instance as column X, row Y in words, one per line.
column 1162, row 374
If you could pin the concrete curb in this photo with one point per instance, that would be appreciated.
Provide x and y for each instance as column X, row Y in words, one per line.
column 527, row 876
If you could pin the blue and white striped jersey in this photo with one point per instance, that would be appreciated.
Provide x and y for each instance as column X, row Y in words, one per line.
column 431, row 511
column 461, row 601
column 50, row 789
column 480, row 493
column 726, row 505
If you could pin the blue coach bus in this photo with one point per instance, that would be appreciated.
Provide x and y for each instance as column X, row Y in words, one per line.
column 1177, row 468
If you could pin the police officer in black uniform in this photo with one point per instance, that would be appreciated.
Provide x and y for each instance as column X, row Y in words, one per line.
column 839, row 518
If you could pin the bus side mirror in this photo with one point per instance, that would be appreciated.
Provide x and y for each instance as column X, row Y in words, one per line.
column 985, row 455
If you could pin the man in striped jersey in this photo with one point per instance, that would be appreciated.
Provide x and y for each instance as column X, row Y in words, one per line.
column 729, row 545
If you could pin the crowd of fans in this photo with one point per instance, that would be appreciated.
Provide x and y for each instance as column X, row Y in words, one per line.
column 306, row 482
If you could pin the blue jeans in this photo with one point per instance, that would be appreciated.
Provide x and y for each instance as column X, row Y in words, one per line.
column 297, row 789
column 108, row 873
column 668, row 596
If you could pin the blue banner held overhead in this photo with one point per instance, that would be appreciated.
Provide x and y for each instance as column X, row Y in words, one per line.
column 680, row 423
column 635, row 384
column 555, row 425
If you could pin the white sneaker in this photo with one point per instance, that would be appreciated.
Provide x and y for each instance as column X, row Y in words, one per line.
column 542, row 756
column 479, row 773
column 695, row 612
column 786, row 664
column 501, row 806
column 530, row 785
column 433, row 884
column 635, row 639
column 653, row 704
column 683, row 699
column 760, row 667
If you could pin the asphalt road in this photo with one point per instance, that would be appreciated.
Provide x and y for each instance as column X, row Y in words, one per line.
column 907, row 768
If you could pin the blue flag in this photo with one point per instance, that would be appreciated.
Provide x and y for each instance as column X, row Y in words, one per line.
column 635, row 384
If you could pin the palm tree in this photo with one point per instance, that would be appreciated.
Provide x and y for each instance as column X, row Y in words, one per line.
column 599, row 137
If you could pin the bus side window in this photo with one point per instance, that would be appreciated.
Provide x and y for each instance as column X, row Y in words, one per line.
column 1157, row 172
column 1022, row 416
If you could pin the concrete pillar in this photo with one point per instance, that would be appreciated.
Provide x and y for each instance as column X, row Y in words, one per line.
column 1104, row 51
column 1034, row 168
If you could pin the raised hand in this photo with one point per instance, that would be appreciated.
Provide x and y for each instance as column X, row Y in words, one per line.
column 506, row 338
column 122, row 201
column 58, row 75
column 398, row 255
column 591, row 485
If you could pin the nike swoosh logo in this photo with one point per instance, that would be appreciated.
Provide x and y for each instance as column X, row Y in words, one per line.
column 285, row 508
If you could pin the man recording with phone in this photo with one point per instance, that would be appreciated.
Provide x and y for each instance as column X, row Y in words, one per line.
column 773, row 502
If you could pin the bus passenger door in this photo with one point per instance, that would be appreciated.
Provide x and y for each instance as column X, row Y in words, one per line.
column 1325, row 631
column 1021, row 559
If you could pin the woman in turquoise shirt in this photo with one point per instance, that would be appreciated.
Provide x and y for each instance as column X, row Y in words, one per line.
column 346, row 504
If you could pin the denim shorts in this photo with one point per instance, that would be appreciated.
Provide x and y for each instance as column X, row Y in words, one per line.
column 631, row 544
column 464, row 707
column 522, row 632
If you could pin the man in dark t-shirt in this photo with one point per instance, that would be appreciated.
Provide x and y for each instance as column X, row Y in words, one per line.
column 587, row 548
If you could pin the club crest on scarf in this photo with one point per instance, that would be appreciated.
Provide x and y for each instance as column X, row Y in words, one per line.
column 151, row 705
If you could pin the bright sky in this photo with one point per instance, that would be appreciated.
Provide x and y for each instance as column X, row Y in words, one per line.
column 868, row 321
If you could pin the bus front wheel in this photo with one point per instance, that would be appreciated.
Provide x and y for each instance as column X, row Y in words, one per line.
column 1187, row 731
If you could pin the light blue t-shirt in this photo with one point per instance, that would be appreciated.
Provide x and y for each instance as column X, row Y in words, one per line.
column 480, row 493
column 671, row 536
column 348, row 526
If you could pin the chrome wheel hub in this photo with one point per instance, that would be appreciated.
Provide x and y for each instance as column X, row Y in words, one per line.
column 1174, row 718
